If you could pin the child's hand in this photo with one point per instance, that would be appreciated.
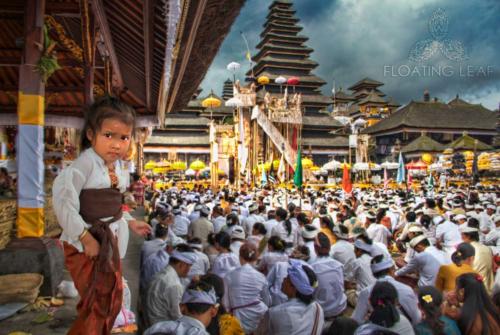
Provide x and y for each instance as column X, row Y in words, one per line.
column 140, row 227
column 90, row 245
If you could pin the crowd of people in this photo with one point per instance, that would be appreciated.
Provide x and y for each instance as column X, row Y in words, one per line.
column 321, row 262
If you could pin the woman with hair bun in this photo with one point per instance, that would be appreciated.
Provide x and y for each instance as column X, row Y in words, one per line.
column 275, row 253
column 462, row 258
column 247, row 295
column 433, row 321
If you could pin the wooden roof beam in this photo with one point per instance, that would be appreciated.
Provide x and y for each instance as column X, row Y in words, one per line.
column 148, row 21
column 102, row 22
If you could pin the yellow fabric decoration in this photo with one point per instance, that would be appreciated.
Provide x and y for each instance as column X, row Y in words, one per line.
column 229, row 325
column 427, row 298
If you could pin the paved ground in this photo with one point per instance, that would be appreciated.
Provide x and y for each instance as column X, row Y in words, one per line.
column 64, row 316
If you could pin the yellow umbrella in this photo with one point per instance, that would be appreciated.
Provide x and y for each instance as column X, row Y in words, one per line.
column 267, row 166
column 307, row 163
column 150, row 165
column 211, row 102
column 314, row 168
column 197, row 165
column 427, row 158
column 179, row 166
column 263, row 80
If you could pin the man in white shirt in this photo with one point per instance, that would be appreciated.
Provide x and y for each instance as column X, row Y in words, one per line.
column 218, row 218
column 447, row 234
column 271, row 222
column 253, row 218
column 343, row 250
column 425, row 264
column 181, row 223
column 309, row 233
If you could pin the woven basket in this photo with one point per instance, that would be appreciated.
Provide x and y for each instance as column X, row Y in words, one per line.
column 7, row 221
column 22, row 287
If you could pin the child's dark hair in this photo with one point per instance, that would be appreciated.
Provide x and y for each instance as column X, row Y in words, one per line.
column 342, row 326
column 430, row 300
column 198, row 308
column 277, row 243
column 260, row 228
column 161, row 231
column 223, row 239
column 383, row 300
column 307, row 299
column 106, row 107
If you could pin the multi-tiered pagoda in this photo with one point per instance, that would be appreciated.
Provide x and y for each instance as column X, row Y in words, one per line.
column 227, row 90
column 282, row 52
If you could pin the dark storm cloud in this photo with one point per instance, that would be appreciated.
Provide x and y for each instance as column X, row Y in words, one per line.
column 353, row 39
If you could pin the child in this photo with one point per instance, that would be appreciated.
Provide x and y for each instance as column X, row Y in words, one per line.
column 87, row 202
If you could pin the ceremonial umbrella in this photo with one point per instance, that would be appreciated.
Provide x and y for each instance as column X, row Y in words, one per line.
column 234, row 102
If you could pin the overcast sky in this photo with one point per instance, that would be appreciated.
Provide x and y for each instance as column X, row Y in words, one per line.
column 354, row 39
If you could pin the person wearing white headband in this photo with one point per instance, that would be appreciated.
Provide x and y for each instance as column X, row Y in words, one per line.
column 201, row 227
column 165, row 291
column 202, row 264
column 199, row 306
column 301, row 314
column 181, row 223
column 383, row 270
column 426, row 262
column 447, row 235
column 361, row 275
column 492, row 239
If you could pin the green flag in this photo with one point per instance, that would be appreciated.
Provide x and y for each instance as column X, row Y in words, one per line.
column 297, row 177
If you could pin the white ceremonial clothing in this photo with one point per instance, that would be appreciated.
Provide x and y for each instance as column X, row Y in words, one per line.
column 250, row 221
column 235, row 247
column 88, row 171
column 275, row 278
column 378, row 233
column 312, row 252
column 361, row 273
column 247, row 296
column 330, row 291
column 406, row 296
column 492, row 239
column 343, row 252
column 150, row 247
column 426, row 265
column 224, row 263
column 201, row 266
column 181, row 225
column 270, row 224
column 269, row 258
column 281, row 231
column 219, row 222
column 294, row 318
column 185, row 325
column 163, row 297
column 449, row 234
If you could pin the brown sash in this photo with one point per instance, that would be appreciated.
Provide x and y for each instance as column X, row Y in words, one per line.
column 96, row 204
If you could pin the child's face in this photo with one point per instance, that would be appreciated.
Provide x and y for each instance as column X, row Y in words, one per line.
column 112, row 141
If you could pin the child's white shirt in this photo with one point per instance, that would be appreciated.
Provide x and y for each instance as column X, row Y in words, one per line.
column 88, row 171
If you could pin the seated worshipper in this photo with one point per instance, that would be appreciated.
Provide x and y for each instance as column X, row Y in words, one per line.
column 165, row 219
column 210, row 250
column 202, row 264
column 247, row 295
column 301, row 314
column 483, row 258
column 492, row 239
column 258, row 237
column 447, row 235
column 385, row 315
column 379, row 232
column 462, row 258
column 309, row 233
column 237, row 239
column 232, row 222
column 426, row 263
column 165, row 291
column 199, row 306
column 286, row 229
column 271, row 222
column 471, row 306
column 383, row 271
column 433, row 321
column 361, row 275
column 253, row 218
column 326, row 227
column 181, row 223
column 330, row 274
column 225, row 260
column 404, row 244
column 202, row 226
column 275, row 277
column 218, row 218
column 224, row 322
column 275, row 253
column 343, row 250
